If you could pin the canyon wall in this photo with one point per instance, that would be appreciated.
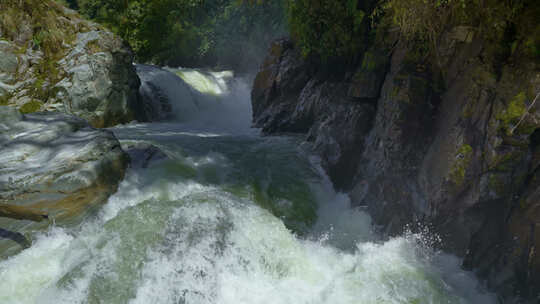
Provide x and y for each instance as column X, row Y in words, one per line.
column 450, row 141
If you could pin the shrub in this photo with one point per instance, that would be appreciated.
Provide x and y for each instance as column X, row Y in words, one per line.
column 428, row 19
column 326, row 28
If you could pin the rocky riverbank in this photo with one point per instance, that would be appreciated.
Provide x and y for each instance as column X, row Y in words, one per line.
column 53, row 60
column 450, row 142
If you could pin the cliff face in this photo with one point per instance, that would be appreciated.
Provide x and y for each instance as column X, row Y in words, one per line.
column 451, row 141
column 52, row 60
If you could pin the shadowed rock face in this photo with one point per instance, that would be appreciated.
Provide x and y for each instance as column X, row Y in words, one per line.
column 453, row 145
column 90, row 73
column 56, row 164
column 287, row 97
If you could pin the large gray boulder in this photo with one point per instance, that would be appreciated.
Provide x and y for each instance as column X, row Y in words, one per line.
column 101, row 84
column 55, row 163
column 88, row 74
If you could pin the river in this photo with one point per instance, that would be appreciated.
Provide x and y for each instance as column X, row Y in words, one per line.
column 229, row 217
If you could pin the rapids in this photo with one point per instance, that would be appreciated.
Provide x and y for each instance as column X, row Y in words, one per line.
column 229, row 217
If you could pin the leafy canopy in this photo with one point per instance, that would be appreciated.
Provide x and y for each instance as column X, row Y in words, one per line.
column 326, row 28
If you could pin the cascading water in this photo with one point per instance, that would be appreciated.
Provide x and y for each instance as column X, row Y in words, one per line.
column 196, row 98
column 228, row 217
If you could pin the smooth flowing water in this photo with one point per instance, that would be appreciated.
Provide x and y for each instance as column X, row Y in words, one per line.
column 229, row 217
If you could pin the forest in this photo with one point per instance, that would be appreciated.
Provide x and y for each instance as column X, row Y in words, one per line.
column 235, row 32
column 269, row 151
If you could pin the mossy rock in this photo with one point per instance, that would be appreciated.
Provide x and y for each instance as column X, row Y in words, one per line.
column 31, row 107
column 4, row 99
column 506, row 162
column 463, row 160
column 513, row 112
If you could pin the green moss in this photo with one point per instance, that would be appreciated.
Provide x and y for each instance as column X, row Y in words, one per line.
column 93, row 46
column 30, row 107
column 395, row 92
column 463, row 160
column 468, row 110
column 532, row 44
column 4, row 99
column 506, row 162
column 369, row 62
column 523, row 203
column 513, row 113
column 48, row 33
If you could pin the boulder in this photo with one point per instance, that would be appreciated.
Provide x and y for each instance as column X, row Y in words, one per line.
column 143, row 154
column 101, row 84
column 55, row 164
column 86, row 71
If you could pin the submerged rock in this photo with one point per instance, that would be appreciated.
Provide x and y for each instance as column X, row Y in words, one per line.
column 82, row 69
column 143, row 154
column 57, row 164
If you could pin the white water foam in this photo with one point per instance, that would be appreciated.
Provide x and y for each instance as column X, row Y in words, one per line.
column 197, row 228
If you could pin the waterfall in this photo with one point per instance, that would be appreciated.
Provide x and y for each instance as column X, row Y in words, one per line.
column 227, row 217
column 196, row 97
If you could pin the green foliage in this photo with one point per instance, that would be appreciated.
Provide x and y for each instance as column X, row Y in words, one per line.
column 326, row 28
column 244, row 29
column 189, row 32
column 420, row 18
column 493, row 20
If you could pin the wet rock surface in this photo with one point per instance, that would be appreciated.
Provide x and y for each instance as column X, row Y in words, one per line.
column 142, row 155
column 287, row 97
column 452, row 145
column 56, row 164
column 156, row 103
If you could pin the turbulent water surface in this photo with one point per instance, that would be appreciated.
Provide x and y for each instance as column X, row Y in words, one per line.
column 229, row 217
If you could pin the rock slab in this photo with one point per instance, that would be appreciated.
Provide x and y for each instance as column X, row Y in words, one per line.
column 57, row 164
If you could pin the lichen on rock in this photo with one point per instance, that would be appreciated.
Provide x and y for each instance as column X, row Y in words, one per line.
column 463, row 160
column 68, row 64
